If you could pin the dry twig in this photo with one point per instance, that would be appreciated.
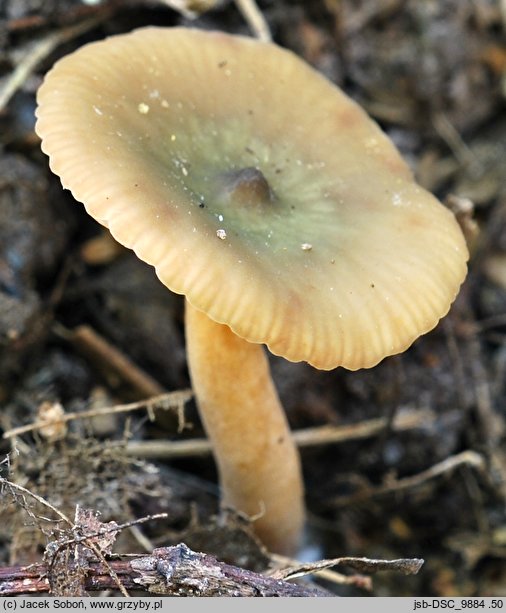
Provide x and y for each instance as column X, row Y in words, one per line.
column 469, row 458
column 455, row 142
column 170, row 400
column 172, row 571
column 100, row 350
column 309, row 437
column 38, row 52
column 179, row 571
column 14, row 487
column 406, row 566
column 68, row 557
column 255, row 19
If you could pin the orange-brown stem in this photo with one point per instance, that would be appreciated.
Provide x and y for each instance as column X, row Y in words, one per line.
column 257, row 460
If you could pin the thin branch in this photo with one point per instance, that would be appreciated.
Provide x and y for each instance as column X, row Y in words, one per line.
column 469, row 458
column 309, row 437
column 92, row 344
column 255, row 19
column 455, row 142
column 39, row 499
column 167, row 401
column 406, row 566
column 38, row 52
column 173, row 571
column 110, row 570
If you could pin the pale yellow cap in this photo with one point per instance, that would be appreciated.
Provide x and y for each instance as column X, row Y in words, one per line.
column 256, row 188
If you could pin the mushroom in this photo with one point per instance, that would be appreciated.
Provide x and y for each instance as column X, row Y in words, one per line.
column 274, row 204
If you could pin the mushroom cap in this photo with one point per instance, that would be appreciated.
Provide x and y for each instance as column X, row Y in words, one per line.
column 256, row 188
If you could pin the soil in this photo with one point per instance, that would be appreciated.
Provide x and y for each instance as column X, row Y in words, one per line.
column 74, row 334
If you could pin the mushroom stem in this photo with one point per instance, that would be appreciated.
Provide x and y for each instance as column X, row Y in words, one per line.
column 258, row 463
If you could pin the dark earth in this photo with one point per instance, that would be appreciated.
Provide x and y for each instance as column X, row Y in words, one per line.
column 84, row 324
